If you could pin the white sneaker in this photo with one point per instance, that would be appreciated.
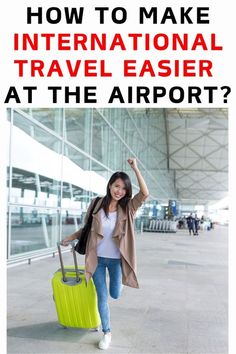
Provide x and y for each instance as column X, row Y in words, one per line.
column 105, row 341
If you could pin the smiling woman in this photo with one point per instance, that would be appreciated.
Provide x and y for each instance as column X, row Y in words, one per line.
column 111, row 243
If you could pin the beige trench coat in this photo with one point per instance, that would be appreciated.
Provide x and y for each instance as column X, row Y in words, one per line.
column 123, row 236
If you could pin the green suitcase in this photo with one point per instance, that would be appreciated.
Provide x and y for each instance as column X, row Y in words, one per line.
column 76, row 302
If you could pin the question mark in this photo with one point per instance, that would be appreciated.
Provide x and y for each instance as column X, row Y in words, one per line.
column 228, row 90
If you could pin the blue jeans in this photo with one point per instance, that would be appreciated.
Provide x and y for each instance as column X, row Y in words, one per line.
column 99, row 277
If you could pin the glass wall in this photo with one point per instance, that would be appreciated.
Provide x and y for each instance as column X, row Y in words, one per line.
column 59, row 159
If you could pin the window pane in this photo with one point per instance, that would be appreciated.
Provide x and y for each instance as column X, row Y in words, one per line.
column 101, row 138
column 36, row 159
column 51, row 118
column 33, row 229
column 72, row 219
column 75, row 190
column 34, row 189
column 37, row 134
column 78, row 126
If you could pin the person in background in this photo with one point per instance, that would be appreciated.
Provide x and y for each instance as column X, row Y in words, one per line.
column 190, row 223
column 196, row 225
column 111, row 245
column 180, row 223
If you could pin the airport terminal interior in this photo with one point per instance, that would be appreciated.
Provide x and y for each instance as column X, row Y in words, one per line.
column 59, row 160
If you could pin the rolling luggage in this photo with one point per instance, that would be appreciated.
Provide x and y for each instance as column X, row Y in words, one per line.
column 76, row 302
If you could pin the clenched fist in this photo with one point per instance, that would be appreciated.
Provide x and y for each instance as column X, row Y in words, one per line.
column 133, row 163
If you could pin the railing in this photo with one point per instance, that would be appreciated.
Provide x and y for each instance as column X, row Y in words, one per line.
column 30, row 256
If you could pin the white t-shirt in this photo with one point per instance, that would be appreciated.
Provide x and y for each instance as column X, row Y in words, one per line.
column 107, row 247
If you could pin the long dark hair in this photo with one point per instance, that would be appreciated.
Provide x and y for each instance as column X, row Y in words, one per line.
column 122, row 202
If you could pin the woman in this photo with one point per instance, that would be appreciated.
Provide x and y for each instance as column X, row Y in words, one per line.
column 112, row 243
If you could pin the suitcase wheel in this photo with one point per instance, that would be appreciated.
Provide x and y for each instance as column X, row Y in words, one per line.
column 96, row 329
column 62, row 326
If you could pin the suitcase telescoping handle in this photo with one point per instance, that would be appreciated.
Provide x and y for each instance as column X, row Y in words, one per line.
column 75, row 262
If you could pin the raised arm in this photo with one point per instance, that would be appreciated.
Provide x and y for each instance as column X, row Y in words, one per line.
column 142, row 184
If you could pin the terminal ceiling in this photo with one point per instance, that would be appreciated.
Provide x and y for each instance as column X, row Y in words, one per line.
column 191, row 146
column 183, row 153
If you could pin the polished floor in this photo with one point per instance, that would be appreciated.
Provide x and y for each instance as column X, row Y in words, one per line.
column 180, row 308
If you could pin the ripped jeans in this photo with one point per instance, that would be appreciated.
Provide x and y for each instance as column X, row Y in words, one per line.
column 99, row 278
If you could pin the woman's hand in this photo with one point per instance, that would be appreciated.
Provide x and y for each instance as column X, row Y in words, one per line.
column 133, row 163
column 142, row 185
column 65, row 242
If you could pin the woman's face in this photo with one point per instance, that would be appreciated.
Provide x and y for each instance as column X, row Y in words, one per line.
column 117, row 189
